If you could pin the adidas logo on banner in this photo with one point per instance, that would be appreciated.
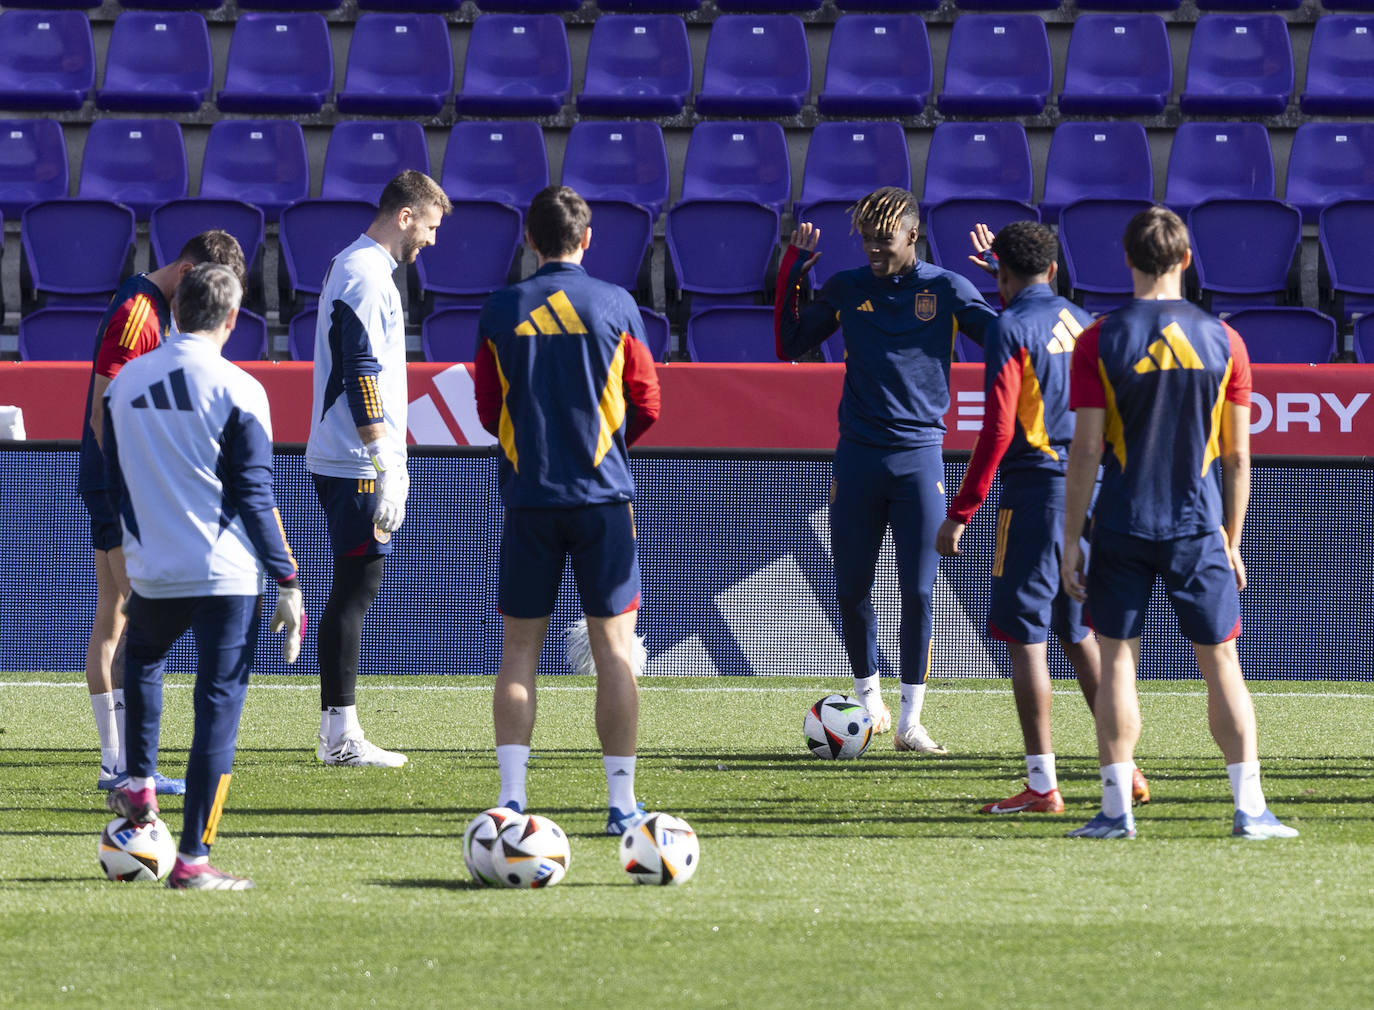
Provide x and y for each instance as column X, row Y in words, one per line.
column 555, row 316
column 1171, row 351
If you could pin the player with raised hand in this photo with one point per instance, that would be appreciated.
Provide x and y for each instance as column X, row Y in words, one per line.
column 1166, row 386
column 565, row 382
column 188, row 455
column 899, row 316
column 1027, row 428
column 136, row 321
column 356, row 454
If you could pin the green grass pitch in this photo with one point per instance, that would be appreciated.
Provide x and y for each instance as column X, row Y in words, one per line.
column 866, row 883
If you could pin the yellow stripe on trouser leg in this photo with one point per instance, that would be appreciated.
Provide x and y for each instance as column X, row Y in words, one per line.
column 216, row 811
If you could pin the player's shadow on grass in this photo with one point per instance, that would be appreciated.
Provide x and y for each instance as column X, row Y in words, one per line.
column 441, row 884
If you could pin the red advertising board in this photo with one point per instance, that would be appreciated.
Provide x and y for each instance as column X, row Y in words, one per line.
column 1299, row 410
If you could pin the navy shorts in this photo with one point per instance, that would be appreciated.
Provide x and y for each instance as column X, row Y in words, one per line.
column 1197, row 578
column 348, row 504
column 106, row 531
column 1027, row 601
column 600, row 539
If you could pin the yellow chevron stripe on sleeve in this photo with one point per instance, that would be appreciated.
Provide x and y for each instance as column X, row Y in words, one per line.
column 1113, row 433
column 133, row 323
column 567, row 315
column 216, row 811
column 1030, row 410
column 1218, row 408
column 612, row 407
column 505, row 429
column 284, row 542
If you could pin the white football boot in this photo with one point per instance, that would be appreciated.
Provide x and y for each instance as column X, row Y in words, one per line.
column 915, row 738
column 358, row 752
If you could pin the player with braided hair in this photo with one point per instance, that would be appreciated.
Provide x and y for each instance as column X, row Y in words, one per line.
column 899, row 316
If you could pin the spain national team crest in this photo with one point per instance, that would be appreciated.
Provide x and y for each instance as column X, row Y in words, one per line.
column 925, row 307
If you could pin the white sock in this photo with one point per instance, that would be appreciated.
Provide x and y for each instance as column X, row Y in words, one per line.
column 326, row 724
column 193, row 860
column 512, row 761
column 102, row 707
column 866, row 689
column 1116, row 788
column 341, row 723
column 1040, row 773
column 138, row 783
column 1245, row 787
column 913, row 697
column 122, row 758
column 620, row 781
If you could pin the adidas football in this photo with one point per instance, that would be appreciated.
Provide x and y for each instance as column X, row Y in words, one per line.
column 837, row 727
column 480, row 838
column 660, row 849
column 532, row 852
column 130, row 851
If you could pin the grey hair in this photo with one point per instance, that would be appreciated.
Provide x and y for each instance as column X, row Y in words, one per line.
column 205, row 297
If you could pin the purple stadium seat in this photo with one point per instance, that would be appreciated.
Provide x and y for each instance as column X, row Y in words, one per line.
column 289, row 5
column 300, row 335
column 474, row 253
column 1007, row 5
column 248, row 342
column 172, row 224
column 47, row 59
column 756, row 65
column 1363, row 340
column 719, row 250
column 398, row 65
column 967, row 350
column 877, row 65
column 1245, row 252
column 392, row 6
column 648, row 6
column 1287, row 334
column 657, row 333
column 156, row 62
column 1128, row 6
column 997, row 65
column 278, row 63
column 517, row 65
column 1094, row 262
column 450, row 334
column 1340, row 67
column 137, row 162
column 624, row 160
column 1238, row 65
column 621, row 233
column 173, row 5
column 262, row 162
column 844, row 161
column 1105, row 161
column 840, row 246
column 832, row 347
column 313, row 232
column 48, row 5
column 1329, row 162
column 364, row 156
column 1249, row 5
column 732, row 333
column 738, row 161
column 978, row 161
column 33, row 163
column 947, row 229
column 529, row 6
column 637, row 65
column 1347, row 268
column 76, row 250
column 772, row 6
column 1211, row 161
column 501, row 161
column 59, row 334
column 1117, row 65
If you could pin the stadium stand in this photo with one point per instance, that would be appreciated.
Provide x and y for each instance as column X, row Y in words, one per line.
column 74, row 251
column 311, row 232
column 1103, row 161
column 731, row 333
column 248, row 342
column 364, row 156
column 291, row 5
column 1347, row 269
column 398, row 65
column 947, row 229
column 33, row 163
column 157, row 62
column 1118, row 6
column 647, row 6
column 529, row 6
column 450, row 334
column 719, row 252
column 978, row 161
column 877, row 65
column 47, row 59
column 1095, row 271
column 1329, row 162
column 300, row 335
column 474, row 254
column 1245, row 252
column 59, row 334
column 1210, row 161
column 756, row 65
column 997, row 65
column 502, row 161
column 887, row 5
column 1340, row 67
column 657, row 333
column 278, row 63
column 637, row 65
column 966, row 350
column 1239, row 65
column 624, row 160
column 137, row 162
column 1117, row 65
column 171, row 224
column 738, row 161
column 621, row 233
column 262, row 162
column 516, row 65
column 1363, row 343
column 1286, row 334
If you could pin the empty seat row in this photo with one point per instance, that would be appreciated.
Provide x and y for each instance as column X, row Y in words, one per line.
column 641, row 64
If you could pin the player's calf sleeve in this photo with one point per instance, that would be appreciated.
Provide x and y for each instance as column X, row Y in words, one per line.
column 355, row 585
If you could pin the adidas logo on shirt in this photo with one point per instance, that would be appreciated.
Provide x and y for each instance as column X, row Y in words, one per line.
column 865, row 306
column 157, row 392
column 555, row 316
column 1065, row 332
column 1171, row 351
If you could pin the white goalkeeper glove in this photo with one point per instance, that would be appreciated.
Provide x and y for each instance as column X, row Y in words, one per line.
column 393, row 485
column 290, row 618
